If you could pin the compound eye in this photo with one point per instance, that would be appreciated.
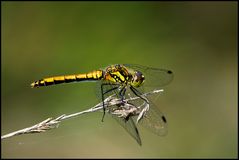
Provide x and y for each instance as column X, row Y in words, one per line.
column 139, row 75
column 138, row 79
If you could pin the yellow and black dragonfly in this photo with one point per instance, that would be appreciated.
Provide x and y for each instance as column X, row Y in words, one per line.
column 124, row 80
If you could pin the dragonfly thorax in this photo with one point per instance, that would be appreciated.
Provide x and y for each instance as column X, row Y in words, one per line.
column 117, row 74
column 122, row 75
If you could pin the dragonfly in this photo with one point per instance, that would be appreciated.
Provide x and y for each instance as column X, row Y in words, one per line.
column 125, row 80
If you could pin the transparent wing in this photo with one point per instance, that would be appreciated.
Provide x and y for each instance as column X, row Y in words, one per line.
column 154, row 120
column 155, row 78
column 130, row 127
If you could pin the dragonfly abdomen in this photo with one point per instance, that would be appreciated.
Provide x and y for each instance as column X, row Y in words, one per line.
column 95, row 75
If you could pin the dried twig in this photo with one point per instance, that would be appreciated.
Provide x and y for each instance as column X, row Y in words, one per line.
column 50, row 123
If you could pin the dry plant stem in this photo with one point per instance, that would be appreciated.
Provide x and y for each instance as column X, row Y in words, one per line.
column 50, row 123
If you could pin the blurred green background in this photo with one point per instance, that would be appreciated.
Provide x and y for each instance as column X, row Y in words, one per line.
column 196, row 40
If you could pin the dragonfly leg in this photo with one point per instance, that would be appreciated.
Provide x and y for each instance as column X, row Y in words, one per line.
column 103, row 93
column 122, row 93
column 146, row 108
column 138, row 94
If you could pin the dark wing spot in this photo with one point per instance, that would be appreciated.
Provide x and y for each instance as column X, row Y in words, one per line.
column 164, row 119
column 170, row 72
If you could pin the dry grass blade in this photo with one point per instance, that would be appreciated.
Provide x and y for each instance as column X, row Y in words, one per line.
column 51, row 123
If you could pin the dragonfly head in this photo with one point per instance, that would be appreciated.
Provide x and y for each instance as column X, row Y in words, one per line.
column 138, row 79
